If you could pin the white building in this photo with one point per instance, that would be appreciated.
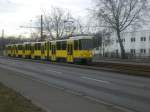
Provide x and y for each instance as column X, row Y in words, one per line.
column 136, row 44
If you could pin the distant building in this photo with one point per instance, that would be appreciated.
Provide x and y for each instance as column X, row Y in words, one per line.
column 136, row 44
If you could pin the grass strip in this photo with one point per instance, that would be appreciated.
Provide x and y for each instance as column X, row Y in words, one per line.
column 11, row 101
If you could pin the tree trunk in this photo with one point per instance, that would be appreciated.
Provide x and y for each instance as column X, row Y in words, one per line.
column 57, row 33
column 123, row 55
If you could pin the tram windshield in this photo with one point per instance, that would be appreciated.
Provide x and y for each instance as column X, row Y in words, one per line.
column 85, row 44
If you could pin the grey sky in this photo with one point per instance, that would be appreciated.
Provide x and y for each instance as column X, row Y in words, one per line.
column 14, row 13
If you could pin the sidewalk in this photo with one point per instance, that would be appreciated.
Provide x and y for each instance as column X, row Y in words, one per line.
column 50, row 98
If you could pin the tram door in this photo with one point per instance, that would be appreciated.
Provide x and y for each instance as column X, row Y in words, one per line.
column 70, row 52
column 53, row 50
column 14, row 54
column 47, row 50
column 42, row 51
column 32, row 50
column 23, row 51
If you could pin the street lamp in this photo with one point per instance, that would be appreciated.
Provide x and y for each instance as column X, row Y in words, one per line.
column 68, row 26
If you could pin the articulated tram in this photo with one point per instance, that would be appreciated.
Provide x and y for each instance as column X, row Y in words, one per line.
column 75, row 49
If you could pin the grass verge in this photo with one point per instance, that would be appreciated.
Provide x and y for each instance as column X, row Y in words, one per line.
column 10, row 101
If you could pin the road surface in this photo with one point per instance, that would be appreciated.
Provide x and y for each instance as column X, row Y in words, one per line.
column 114, row 90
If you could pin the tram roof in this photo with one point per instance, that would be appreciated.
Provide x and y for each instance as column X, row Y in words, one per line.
column 81, row 37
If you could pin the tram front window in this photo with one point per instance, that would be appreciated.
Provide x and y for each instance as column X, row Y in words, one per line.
column 85, row 44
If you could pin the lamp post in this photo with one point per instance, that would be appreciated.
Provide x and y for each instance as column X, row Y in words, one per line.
column 2, row 39
column 41, row 27
column 69, row 26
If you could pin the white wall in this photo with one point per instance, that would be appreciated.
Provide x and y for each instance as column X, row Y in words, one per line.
column 137, row 45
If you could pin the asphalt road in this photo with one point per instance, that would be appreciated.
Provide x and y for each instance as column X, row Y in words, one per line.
column 111, row 89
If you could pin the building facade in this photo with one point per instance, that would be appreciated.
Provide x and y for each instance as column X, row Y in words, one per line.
column 136, row 44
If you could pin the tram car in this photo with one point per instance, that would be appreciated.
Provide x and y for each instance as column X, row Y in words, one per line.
column 26, row 50
column 75, row 49
column 8, row 50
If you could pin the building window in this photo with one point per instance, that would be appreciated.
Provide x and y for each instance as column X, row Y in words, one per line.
column 97, row 48
column 123, row 40
column 132, row 51
column 117, row 51
column 117, row 41
column 132, row 39
column 143, row 39
column 143, row 51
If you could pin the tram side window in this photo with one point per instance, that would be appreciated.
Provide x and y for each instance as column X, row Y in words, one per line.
column 71, row 49
column 42, row 49
column 64, row 45
column 29, row 46
column 32, row 49
column 15, row 47
column 19, row 47
column 8, row 48
column 58, row 45
column 38, row 46
column 46, row 45
column 52, row 49
column 23, row 48
column 34, row 46
column 76, row 47
column 49, row 46
column 80, row 45
column 26, row 47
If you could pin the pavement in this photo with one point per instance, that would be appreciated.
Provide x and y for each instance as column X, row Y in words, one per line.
column 66, row 89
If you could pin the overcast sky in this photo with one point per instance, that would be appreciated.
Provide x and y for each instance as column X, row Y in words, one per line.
column 14, row 13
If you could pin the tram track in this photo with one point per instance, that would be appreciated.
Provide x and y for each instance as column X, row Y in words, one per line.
column 128, row 68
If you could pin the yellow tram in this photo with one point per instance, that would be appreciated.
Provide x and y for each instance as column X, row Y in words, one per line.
column 8, row 50
column 75, row 49
column 27, row 50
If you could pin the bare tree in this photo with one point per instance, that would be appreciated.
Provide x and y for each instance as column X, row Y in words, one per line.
column 60, row 23
column 55, row 21
column 119, row 15
column 79, row 26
